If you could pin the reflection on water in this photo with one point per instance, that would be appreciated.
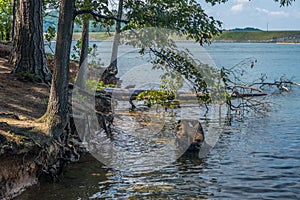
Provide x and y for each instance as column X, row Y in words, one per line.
column 255, row 158
column 150, row 139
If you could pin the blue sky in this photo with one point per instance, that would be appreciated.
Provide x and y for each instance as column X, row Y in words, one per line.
column 256, row 13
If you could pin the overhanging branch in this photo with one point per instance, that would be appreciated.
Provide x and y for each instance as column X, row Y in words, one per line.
column 98, row 16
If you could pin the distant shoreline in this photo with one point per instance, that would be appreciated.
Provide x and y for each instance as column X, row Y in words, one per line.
column 252, row 41
column 280, row 37
column 259, row 37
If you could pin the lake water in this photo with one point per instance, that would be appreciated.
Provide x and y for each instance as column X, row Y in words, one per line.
column 254, row 158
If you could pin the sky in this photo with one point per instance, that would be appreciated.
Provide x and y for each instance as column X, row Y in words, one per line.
column 262, row 14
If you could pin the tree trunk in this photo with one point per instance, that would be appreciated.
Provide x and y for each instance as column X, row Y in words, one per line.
column 13, row 17
column 83, row 63
column 57, row 111
column 114, row 56
column 13, row 22
column 109, row 75
column 28, row 55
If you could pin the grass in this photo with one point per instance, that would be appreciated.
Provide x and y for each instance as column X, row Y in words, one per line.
column 95, row 36
column 257, row 35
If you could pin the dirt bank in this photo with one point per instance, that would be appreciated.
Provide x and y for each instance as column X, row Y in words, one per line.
column 26, row 153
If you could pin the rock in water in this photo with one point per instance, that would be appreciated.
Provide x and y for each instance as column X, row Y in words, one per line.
column 189, row 134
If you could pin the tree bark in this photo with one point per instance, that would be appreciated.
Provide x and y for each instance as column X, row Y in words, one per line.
column 109, row 75
column 57, row 112
column 13, row 17
column 83, row 63
column 114, row 56
column 13, row 22
column 28, row 54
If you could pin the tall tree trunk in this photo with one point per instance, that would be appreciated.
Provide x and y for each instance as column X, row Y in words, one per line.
column 13, row 17
column 56, row 115
column 114, row 56
column 28, row 54
column 13, row 22
column 109, row 75
column 83, row 63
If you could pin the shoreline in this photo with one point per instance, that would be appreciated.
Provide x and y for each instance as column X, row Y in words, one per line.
column 225, row 37
column 213, row 41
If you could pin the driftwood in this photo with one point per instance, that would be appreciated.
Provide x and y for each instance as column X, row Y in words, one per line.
column 282, row 85
column 246, row 94
column 236, row 94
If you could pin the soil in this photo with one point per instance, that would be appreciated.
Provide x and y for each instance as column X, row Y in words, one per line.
column 27, row 100
column 25, row 150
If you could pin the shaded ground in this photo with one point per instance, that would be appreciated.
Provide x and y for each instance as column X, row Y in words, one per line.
column 22, row 101
column 25, row 99
column 20, row 104
column 25, row 151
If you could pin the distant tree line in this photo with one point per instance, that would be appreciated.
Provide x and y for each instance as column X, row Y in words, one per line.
column 247, row 29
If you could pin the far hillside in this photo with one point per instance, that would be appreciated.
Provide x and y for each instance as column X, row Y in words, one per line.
column 259, row 36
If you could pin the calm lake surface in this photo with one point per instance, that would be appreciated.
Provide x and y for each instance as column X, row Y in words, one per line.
column 254, row 158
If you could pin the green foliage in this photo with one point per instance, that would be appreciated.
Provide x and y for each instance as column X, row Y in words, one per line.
column 285, row 2
column 185, row 17
column 161, row 97
column 184, row 64
column 179, row 16
column 179, row 65
column 166, row 96
column 5, row 19
column 171, row 81
column 99, row 7
column 77, row 49
column 49, row 36
column 93, row 85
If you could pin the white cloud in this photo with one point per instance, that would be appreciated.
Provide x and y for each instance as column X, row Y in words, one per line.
column 273, row 13
column 279, row 13
column 237, row 8
column 242, row 1
column 262, row 10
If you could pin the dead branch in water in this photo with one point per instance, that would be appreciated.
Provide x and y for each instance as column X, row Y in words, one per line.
column 282, row 85
column 242, row 94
